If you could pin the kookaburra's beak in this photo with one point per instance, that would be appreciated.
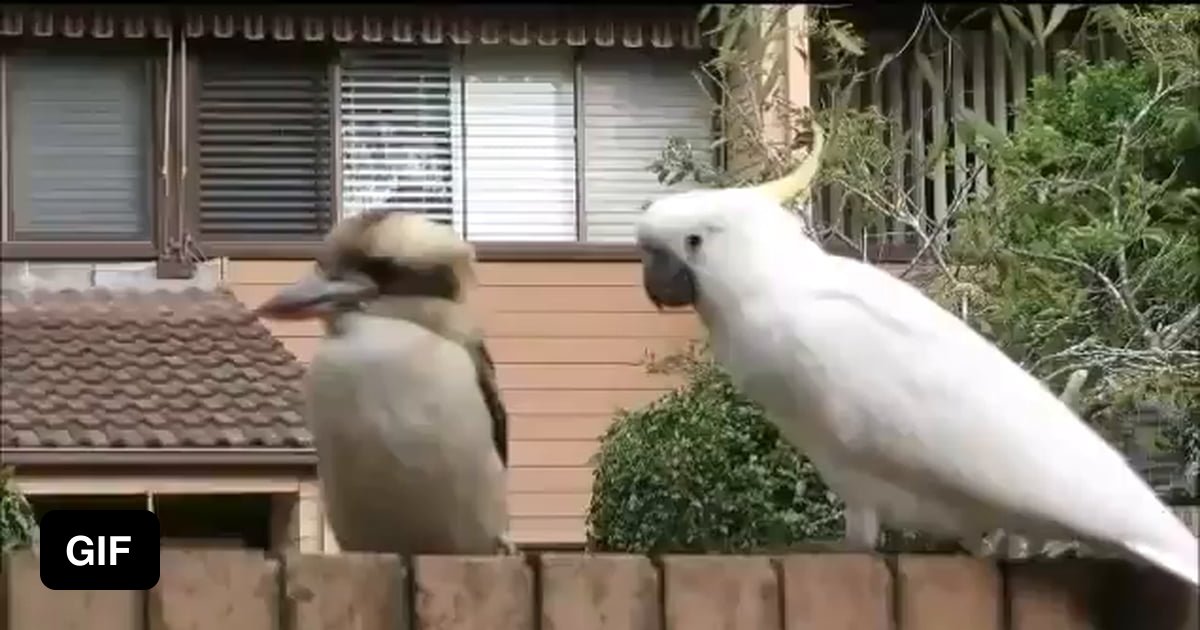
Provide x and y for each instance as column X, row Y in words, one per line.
column 667, row 279
column 315, row 295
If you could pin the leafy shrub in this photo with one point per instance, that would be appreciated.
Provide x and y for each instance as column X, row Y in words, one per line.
column 17, row 524
column 702, row 469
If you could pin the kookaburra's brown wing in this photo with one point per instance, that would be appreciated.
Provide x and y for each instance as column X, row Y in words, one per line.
column 485, row 372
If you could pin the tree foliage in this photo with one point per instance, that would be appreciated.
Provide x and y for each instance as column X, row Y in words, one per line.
column 1084, row 254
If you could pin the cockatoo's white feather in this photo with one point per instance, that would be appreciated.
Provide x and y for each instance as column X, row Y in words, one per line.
column 913, row 418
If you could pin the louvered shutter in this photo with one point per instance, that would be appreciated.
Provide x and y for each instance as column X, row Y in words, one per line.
column 519, row 136
column 79, row 146
column 633, row 101
column 265, row 149
column 398, row 117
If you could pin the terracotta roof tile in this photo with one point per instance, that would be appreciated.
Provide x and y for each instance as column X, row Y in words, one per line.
column 144, row 369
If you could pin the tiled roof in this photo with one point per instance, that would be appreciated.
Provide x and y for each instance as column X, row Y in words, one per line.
column 144, row 369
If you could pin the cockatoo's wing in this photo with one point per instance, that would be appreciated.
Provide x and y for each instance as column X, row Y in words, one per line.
column 922, row 397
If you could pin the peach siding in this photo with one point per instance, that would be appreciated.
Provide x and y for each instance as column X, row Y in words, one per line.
column 569, row 339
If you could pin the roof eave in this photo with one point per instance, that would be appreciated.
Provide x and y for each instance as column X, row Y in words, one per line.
column 164, row 457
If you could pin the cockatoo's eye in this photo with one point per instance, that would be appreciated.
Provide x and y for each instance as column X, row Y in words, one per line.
column 693, row 242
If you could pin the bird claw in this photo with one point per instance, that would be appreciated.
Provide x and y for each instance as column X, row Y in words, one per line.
column 1058, row 549
column 506, row 546
column 1008, row 546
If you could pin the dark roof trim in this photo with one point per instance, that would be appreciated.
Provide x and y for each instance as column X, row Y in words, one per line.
column 164, row 457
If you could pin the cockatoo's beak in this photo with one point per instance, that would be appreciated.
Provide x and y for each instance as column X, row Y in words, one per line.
column 315, row 295
column 667, row 279
column 800, row 179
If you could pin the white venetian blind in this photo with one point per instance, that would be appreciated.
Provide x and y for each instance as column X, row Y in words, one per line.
column 519, row 143
column 398, row 114
column 633, row 101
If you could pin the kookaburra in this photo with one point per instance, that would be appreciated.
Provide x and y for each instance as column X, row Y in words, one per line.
column 402, row 400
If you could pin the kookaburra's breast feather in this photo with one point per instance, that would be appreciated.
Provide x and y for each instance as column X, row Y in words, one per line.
column 452, row 321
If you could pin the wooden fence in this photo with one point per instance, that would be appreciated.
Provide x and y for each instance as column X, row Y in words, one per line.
column 242, row 590
column 924, row 91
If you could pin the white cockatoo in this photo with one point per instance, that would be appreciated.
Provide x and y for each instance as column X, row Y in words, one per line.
column 913, row 418
column 406, row 417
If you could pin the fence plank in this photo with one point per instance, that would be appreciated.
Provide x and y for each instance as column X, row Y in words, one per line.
column 499, row 588
column 215, row 589
column 938, row 52
column 958, row 95
column 599, row 592
column 916, row 139
column 938, row 592
column 1098, row 593
column 32, row 606
column 1138, row 595
column 1017, row 72
column 836, row 590
column 880, row 225
column 349, row 590
column 895, row 97
column 999, row 78
column 979, row 96
column 1049, row 595
column 720, row 592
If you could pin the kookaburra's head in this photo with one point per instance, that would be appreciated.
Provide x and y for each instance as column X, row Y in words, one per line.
column 704, row 237
column 376, row 254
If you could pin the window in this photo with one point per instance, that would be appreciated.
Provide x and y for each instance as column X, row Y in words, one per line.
column 79, row 147
column 215, row 520
column 398, row 126
column 633, row 101
column 507, row 143
column 519, row 143
column 264, row 139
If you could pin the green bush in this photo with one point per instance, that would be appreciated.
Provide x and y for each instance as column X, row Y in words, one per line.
column 17, row 524
column 701, row 469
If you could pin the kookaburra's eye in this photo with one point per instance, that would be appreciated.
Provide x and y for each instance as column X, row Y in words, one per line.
column 693, row 242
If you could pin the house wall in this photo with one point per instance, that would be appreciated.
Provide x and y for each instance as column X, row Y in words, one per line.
column 569, row 339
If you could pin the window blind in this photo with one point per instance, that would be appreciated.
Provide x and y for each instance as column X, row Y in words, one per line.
column 633, row 101
column 398, row 117
column 80, row 146
column 264, row 139
column 519, row 143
